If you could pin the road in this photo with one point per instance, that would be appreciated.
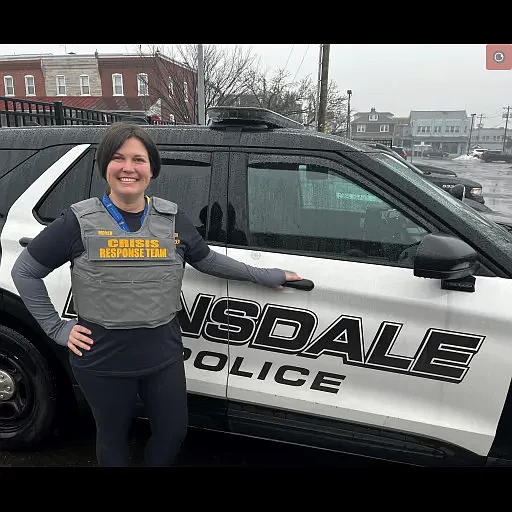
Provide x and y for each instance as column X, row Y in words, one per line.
column 496, row 179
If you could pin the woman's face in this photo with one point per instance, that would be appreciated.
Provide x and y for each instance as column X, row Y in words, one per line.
column 129, row 172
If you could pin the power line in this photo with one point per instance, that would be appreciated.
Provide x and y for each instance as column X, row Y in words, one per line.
column 287, row 60
column 303, row 57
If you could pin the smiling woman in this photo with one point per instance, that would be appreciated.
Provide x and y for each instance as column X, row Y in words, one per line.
column 128, row 162
column 127, row 267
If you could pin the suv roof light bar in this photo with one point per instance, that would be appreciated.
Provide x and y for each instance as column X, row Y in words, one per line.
column 220, row 116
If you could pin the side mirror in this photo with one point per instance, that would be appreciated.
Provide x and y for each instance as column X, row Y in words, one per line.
column 458, row 191
column 446, row 257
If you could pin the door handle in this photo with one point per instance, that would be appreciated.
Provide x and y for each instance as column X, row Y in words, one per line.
column 304, row 284
column 24, row 241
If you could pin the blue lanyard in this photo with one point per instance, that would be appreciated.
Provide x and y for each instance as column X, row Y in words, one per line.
column 117, row 216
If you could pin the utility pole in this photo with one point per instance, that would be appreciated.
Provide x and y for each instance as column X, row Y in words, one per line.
column 200, row 86
column 324, row 82
column 470, row 131
column 318, row 82
column 479, row 128
column 349, row 92
column 506, row 124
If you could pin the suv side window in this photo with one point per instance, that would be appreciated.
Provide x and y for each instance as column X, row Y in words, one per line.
column 183, row 179
column 71, row 188
column 18, row 179
column 314, row 209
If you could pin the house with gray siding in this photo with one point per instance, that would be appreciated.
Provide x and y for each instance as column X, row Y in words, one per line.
column 446, row 130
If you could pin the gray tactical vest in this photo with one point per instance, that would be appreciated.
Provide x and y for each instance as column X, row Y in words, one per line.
column 127, row 280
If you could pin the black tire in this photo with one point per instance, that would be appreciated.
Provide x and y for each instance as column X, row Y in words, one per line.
column 28, row 409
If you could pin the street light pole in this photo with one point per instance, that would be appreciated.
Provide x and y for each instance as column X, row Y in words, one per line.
column 412, row 138
column 349, row 92
column 470, row 131
column 324, row 84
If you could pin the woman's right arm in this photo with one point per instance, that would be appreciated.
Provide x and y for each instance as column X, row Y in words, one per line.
column 27, row 274
column 58, row 243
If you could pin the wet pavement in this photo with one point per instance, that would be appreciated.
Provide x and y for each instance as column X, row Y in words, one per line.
column 495, row 178
column 201, row 448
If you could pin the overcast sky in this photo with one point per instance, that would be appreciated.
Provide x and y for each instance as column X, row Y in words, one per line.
column 395, row 78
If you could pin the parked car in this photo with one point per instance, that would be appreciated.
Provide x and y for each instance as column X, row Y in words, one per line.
column 436, row 153
column 443, row 178
column 395, row 345
column 504, row 221
column 473, row 189
column 400, row 150
column 477, row 152
column 434, row 169
column 492, row 155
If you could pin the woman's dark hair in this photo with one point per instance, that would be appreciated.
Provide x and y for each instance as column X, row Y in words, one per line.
column 115, row 136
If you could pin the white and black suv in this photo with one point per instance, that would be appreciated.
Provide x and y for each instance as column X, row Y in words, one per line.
column 402, row 348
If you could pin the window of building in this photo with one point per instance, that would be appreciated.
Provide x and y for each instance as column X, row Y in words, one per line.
column 437, row 129
column 30, row 85
column 61, row 85
column 361, row 128
column 142, row 84
column 85, row 89
column 9, row 85
column 171, row 118
column 171, row 87
column 384, row 127
column 117, row 84
column 373, row 117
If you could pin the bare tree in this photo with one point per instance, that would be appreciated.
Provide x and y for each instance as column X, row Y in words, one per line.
column 297, row 100
column 227, row 72
column 232, row 77
column 174, row 76
column 170, row 85
column 276, row 93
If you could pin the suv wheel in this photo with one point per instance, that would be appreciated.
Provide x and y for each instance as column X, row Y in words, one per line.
column 28, row 393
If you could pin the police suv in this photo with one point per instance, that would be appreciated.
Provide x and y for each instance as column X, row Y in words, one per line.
column 396, row 344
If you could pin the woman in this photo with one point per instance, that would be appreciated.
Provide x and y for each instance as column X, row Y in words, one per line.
column 126, row 278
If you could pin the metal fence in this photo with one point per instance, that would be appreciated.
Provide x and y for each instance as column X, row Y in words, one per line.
column 21, row 112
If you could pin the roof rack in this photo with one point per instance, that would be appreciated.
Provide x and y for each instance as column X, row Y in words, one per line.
column 254, row 117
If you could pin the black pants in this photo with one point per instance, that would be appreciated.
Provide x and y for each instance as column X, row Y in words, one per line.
column 112, row 401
